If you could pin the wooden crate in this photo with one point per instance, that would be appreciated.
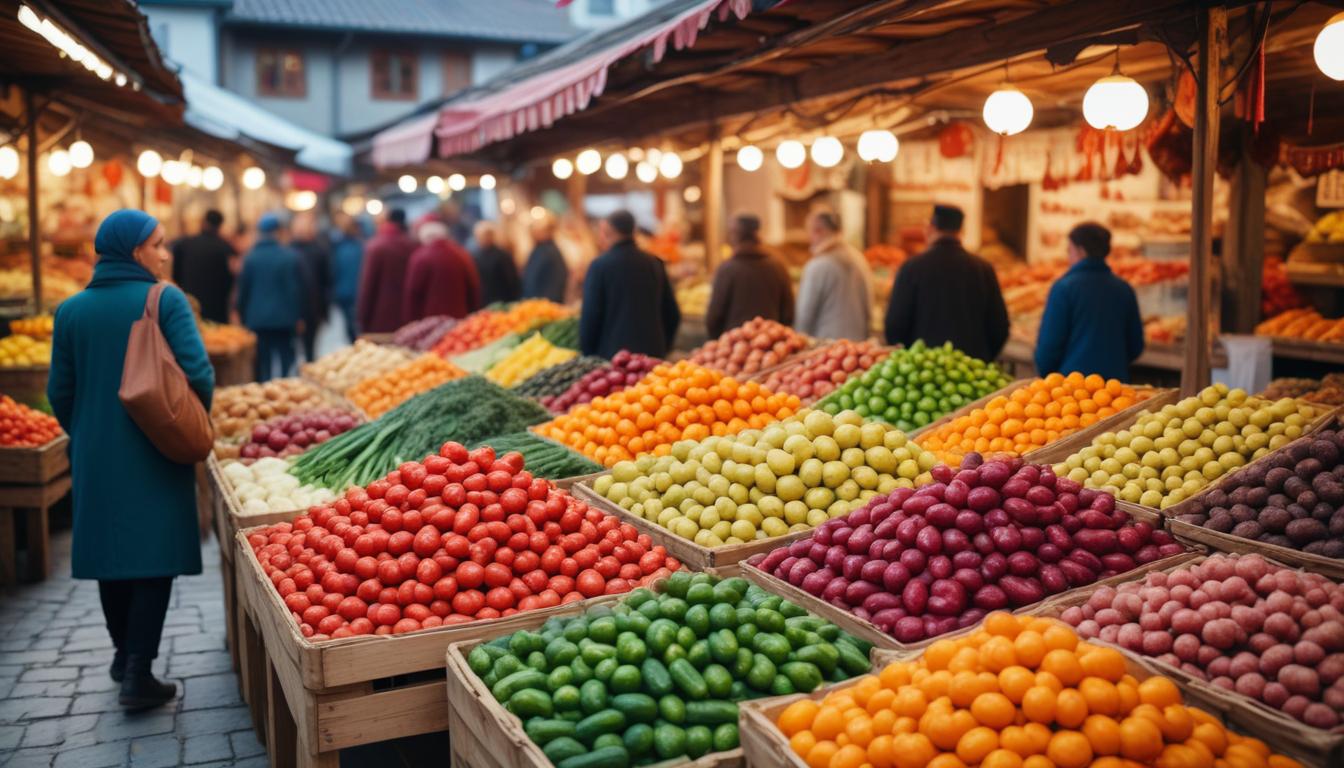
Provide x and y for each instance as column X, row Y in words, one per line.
column 694, row 556
column 1226, row 542
column 764, row 745
column 322, row 697
column 34, row 466
column 33, row 502
column 237, row 366
column 24, row 380
column 1317, row 746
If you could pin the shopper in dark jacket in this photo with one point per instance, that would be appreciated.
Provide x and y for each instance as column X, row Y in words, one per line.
column 347, row 257
column 441, row 279
column 315, row 257
column 1091, row 322
column 499, row 273
column 546, row 275
column 750, row 284
column 135, row 523
column 627, row 299
column 202, row 267
column 383, row 280
column 946, row 294
column 271, row 297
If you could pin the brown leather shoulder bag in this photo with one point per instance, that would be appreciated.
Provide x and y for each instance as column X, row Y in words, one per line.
column 155, row 392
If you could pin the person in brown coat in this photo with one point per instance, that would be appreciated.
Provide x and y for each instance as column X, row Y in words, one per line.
column 383, row 279
column 750, row 284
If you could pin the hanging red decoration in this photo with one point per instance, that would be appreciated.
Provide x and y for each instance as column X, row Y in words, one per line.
column 955, row 140
column 113, row 171
column 163, row 192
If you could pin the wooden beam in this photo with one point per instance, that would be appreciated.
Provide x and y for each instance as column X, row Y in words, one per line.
column 34, row 218
column 1244, row 242
column 711, row 176
column 1195, row 374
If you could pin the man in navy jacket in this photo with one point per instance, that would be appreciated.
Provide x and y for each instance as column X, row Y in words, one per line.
column 1091, row 322
column 627, row 299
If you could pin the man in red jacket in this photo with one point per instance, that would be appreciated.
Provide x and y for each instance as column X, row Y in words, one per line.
column 384, row 275
column 441, row 278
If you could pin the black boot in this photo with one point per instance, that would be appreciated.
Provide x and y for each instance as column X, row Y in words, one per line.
column 139, row 689
column 118, row 669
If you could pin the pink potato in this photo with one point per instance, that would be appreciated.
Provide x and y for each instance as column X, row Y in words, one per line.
column 1251, row 685
column 1320, row 715
column 1156, row 643
column 1275, row 694
column 1308, row 654
column 1274, row 659
column 1300, row 680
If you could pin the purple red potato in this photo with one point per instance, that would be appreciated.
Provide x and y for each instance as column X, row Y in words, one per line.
column 1239, row 622
column 295, row 433
column 994, row 535
column 1295, row 498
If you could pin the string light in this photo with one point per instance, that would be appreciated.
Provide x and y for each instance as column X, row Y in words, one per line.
column 254, row 177
column 588, row 161
column 750, row 157
column 174, row 172
column 791, row 153
column 1329, row 48
column 212, row 178
column 669, row 165
column 407, row 183
column 195, row 176
column 487, row 181
column 878, row 146
column 457, row 182
column 691, row 194
column 58, row 162
column 301, row 200
column 646, row 171
column 150, row 163
column 435, row 185
column 827, row 151
column 538, row 213
column 68, row 45
column 507, row 206
column 81, row 154
column 1008, row 111
column 374, row 206
column 1115, row 102
column 562, row 168
column 617, row 166
column 9, row 162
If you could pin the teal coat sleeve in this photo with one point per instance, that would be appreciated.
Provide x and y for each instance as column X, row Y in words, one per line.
column 179, row 329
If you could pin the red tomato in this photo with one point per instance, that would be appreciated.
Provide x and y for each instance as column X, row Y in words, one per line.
column 417, row 612
column 440, row 517
column 569, row 567
column 406, row 594
column 423, row 593
column 387, row 595
column 445, row 588
column 590, row 583
column 377, row 489
column 408, row 562
column 497, row 575
column 514, row 500
column 297, row 602
column 549, row 598
column 470, row 575
column 368, row 590
column 572, row 597
column 468, row 602
column 630, row 572
column 389, row 572
column 487, row 613
column 428, row 571
column 404, row 626
column 314, row 614
column 440, row 608
column 396, row 495
column 411, row 519
column 400, row 543
column 330, row 624
column 457, row 545
column 525, row 561
column 475, row 482
column 366, row 567
column 454, row 495
column 586, row 557
column 499, row 598
column 536, row 580
column 561, row 584
column 352, row 608
column 435, row 465
column 345, row 560
column 391, row 519
column 608, row 566
column 361, row 626
column 433, row 485
column 431, row 621
column 617, row 586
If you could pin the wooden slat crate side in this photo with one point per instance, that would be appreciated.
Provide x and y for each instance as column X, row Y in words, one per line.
column 285, row 644
column 36, row 465
column 364, row 716
column 30, row 379
column 1070, row 444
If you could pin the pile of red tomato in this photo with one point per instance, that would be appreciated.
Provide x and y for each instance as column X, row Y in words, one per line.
column 462, row 536
column 24, row 427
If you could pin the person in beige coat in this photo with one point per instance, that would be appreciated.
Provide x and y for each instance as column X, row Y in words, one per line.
column 835, row 293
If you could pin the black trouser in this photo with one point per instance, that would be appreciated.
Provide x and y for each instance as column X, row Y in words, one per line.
column 135, row 609
column 271, row 345
column 310, row 340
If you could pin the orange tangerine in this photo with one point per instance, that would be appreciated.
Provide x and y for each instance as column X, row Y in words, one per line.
column 828, row 723
column 976, row 743
column 1103, row 734
column 1002, row 758
column 802, row 742
column 1029, row 648
column 798, row 716
column 946, row 731
column 1159, row 691
column 1003, row 624
column 849, row 756
column 997, row 654
column 1140, row 739
column 1014, row 681
column 1105, row 663
column 910, row 702
column 1037, row 761
column 912, row 750
column 1102, row 697
column 1064, row 665
column 895, row 675
column 946, row 760
column 1210, row 735
column 859, row 730
column 1070, row 708
column 882, row 751
column 993, row 710
column 1069, row 749
column 819, row 756
column 1178, row 723
column 1179, row 756
column 1059, row 636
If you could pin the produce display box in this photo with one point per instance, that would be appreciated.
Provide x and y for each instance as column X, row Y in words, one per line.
column 34, row 466
column 803, row 357
column 1068, row 445
column 692, row 555
column 323, row 697
column 873, row 634
column 764, row 745
column 27, row 379
column 235, row 367
column 1317, row 746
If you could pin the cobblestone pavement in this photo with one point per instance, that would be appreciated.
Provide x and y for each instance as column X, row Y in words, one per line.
column 58, row 707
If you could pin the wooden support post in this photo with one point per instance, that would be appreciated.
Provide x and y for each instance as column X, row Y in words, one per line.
column 576, row 189
column 1244, row 243
column 1213, row 39
column 34, row 219
column 711, row 176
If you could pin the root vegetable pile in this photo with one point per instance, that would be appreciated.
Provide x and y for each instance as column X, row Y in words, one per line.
column 1294, row 498
column 674, row 402
column 753, row 346
column 554, row 381
column 345, row 368
column 625, row 370
column 24, row 427
column 266, row 486
column 457, row 537
column 759, row 484
column 999, row 535
column 422, row 334
column 1022, row 693
column 380, row 394
column 236, row 410
column 533, row 355
column 1031, row 416
column 1247, row 625
column 292, row 434
column 915, row 386
column 470, row 409
column 544, row 458
column 1168, row 456
column 657, row 677
column 816, row 374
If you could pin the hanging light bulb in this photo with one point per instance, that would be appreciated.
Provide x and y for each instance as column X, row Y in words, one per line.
column 9, row 162
column 301, row 200
column 646, row 171
column 81, row 154
column 653, row 155
column 487, row 181
column 174, row 172
column 878, row 146
column 1116, row 102
column 435, row 185
column 791, row 153
column 457, row 182
column 212, row 178
column 691, row 194
column 149, row 163
column 1008, row 111
column 407, row 183
column 750, row 157
column 588, row 161
column 195, row 176
column 635, row 153
column 617, row 166
column 669, row 165
column 254, row 177
column 58, row 162
column 827, row 151
column 1329, row 48
column 374, row 206
column 562, row 168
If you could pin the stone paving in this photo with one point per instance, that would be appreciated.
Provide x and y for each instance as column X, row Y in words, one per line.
column 58, row 707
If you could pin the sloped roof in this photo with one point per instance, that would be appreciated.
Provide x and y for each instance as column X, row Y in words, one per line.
column 531, row 21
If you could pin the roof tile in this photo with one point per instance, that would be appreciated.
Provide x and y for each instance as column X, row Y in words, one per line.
column 513, row 20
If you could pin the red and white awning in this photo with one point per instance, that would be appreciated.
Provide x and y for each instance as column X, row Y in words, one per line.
column 535, row 103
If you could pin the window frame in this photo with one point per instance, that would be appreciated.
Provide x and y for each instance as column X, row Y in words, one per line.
column 283, row 92
column 386, row 56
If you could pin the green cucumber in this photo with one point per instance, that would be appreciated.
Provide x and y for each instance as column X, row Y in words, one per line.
column 606, row 757
column 688, row 679
column 638, row 707
column 598, row 723
column 543, row 731
column 523, row 678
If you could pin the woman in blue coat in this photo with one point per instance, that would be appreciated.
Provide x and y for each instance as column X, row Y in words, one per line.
column 134, row 509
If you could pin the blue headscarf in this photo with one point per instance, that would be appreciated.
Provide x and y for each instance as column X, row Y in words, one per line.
column 118, row 236
column 121, row 233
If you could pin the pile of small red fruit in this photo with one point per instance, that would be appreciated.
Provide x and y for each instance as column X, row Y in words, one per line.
column 461, row 536
column 817, row 374
column 625, row 370
column 294, row 433
column 753, row 346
